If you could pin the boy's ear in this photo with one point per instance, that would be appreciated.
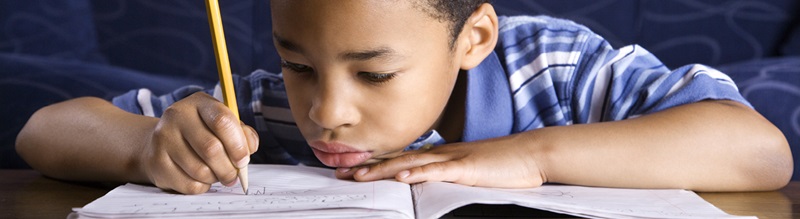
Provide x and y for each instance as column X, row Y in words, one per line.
column 480, row 33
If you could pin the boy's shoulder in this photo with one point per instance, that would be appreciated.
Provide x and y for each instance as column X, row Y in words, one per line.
column 523, row 33
column 526, row 23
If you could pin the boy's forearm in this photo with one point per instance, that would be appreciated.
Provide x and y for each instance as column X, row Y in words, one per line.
column 706, row 146
column 86, row 139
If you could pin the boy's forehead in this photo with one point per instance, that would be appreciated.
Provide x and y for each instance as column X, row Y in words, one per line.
column 298, row 21
column 410, row 7
column 339, row 4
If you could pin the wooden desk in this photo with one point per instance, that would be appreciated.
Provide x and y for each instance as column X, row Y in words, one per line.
column 27, row 194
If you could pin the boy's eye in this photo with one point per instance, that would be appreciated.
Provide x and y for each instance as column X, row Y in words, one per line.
column 299, row 68
column 377, row 78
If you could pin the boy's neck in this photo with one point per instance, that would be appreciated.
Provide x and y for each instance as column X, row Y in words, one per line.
column 451, row 124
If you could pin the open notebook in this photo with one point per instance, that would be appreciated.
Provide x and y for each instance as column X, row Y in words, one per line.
column 279, row 191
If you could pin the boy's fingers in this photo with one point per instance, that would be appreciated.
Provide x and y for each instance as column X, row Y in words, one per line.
column 212, row 152
column 193, row 166
column 228, row 130
column 388, row 169
column 345, row 173
column 447, row 171
column 170, row 176
column 252, row 138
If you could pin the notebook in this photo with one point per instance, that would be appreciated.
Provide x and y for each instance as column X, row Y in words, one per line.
column 282, row 191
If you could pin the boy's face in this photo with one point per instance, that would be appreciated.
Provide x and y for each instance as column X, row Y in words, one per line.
column 364, row 78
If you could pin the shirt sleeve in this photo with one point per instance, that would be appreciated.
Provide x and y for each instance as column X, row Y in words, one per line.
column 616, row 84
column 144, row 102
column 561, row 73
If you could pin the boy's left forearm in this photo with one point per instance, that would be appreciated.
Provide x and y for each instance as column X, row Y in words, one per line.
column 704, row 146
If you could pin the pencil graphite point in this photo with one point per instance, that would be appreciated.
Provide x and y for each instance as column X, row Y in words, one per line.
column 243, row 180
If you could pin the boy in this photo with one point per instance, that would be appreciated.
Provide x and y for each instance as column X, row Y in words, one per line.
column 510, row 102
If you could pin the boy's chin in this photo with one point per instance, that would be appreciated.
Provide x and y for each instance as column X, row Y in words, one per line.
column 371, row 161
column 350, row 164
column 365, row 163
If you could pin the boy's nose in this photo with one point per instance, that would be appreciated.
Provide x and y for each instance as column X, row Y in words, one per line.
column 333, row 107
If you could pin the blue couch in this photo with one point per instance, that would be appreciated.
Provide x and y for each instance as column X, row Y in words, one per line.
column 53, row 50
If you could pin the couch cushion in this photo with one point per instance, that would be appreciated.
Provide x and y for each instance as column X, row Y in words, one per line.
column 173, row 37
column 711, row 32
column 792, row 41
column 56, row 29
column 600, row 16
column 715, row 32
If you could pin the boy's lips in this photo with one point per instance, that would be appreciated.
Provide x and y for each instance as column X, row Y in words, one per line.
column 336, row 154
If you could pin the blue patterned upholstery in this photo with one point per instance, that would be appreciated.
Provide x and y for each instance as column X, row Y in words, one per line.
column 172, row 37
column 53, row 50
column 714, row 32
column 57, row 29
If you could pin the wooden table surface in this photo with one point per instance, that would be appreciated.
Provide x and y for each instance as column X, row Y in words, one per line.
column 28, row 194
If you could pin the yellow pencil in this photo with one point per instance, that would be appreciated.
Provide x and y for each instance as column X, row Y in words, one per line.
column 224, row 69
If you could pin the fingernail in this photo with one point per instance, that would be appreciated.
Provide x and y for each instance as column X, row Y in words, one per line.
column 230, row 184
column 403, row 174
column 362, row 171
column 243, row 162
column 344, row 170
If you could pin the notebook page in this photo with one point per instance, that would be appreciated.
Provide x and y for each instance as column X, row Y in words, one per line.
column 273, row 189
column 435, row 199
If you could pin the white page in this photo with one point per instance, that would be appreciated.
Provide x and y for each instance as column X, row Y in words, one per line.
column 278, row 189
column 434, row 199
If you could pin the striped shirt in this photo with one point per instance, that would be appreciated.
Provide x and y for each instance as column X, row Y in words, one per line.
column 544, row 72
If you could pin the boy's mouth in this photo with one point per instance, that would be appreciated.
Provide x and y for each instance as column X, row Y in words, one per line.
column 336, row 154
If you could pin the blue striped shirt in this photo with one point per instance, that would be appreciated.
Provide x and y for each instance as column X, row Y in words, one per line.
column 544, row 72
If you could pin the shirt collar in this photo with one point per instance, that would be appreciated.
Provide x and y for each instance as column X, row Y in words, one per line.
column 489, row 112
column 488, row 105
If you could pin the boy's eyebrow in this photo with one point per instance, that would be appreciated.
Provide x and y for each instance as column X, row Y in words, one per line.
column 288, row 45
column 359, row 55
column 363, row 55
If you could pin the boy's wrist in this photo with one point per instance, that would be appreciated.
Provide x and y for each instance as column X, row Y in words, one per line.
column 540, row 148
column 137, row 161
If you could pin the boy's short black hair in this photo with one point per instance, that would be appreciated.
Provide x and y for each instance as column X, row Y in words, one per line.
column 453, row 12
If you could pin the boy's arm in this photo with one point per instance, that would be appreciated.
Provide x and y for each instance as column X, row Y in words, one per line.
column 703, row 146
column 86, row 139
column 191, row 146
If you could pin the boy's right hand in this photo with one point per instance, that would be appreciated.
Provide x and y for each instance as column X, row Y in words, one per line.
column 198, row 141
